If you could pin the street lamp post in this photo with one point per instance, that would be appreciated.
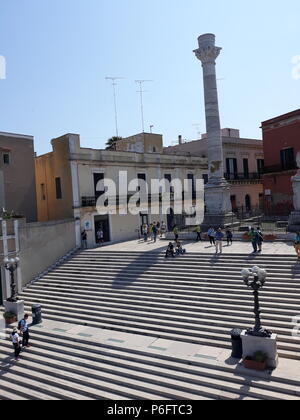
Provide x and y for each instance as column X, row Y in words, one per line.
column 255, row 278
column 11, row 265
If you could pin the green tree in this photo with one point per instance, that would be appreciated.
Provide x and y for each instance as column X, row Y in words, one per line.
column 111, row 143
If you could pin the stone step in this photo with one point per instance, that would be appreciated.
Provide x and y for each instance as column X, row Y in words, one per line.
column 204, row 382
column 227, row 304
column 165, row 287
column 290, row 348
column 13, row 388
column 152, row 358
column 160, row 252
column 78, row 283
column 190, row 318
column 234, row 281
column 169, row 274
column 181, row 265
column 98, row 385
column 243, row 298
column 242, row 316
column 158, row 319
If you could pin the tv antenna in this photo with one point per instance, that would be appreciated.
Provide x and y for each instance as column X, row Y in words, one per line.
column 114, row 84
column 141, row 91
column 197, row 127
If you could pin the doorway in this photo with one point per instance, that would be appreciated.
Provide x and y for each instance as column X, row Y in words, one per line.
column 102, row 222
column 248, row 202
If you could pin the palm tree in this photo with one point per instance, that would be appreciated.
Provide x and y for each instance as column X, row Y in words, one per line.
column 111, row 143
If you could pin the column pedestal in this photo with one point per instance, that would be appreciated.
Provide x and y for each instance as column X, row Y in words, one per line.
column 252, row 344
column 16, row 308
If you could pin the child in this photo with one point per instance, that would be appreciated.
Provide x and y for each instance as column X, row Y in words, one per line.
column 229, row 236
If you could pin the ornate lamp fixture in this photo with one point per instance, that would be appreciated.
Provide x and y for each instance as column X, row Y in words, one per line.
column 256, row 278
column 11, row 265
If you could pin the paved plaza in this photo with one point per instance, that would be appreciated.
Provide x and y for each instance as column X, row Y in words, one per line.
column 238, row 247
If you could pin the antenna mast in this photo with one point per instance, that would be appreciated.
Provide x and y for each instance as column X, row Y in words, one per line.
column 141, row 91
column 114, row 84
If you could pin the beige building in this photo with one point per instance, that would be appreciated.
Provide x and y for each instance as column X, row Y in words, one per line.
column 67, row 180
column 243, row 163
column 17, row 175
column 141, row 143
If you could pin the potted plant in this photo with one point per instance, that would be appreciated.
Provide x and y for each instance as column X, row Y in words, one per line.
column 257, row 362
column 246, row 236
column 270, row 237
column 10, row 318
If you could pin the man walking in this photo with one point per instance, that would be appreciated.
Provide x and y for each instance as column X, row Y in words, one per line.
column 198, row 231
column 211, row 235
column 176, row 233
column 154, row 231
column 100, row 236
column 84, row 239
column 219, row 241
column 24, row 330
column 254, row 239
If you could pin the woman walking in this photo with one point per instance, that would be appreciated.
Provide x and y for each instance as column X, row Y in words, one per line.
column 15, row 338
column 211, row 235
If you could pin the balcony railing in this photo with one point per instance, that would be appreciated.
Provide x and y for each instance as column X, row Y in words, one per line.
column 243, row 176
column 280, row 168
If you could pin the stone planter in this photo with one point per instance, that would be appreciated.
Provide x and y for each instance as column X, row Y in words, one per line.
column 253, row 365
column 10, row 318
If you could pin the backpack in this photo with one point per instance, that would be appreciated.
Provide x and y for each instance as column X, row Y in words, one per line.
column 20, row 324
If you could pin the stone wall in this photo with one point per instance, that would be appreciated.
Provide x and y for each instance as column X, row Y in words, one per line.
column 42, row 244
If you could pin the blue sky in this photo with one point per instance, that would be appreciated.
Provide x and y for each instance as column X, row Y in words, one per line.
column 58, row 53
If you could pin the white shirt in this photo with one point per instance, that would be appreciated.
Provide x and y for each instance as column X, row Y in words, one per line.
column 15, row 338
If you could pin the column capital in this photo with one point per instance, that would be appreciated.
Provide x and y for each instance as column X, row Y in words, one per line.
column 208, row 54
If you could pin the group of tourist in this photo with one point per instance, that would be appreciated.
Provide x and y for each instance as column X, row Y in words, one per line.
column 154, row 230
column 20, row 337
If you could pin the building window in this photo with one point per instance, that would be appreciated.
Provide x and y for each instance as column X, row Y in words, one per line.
column 192, row 178
column 43, row 193
column 246, row 168
column 6, row 158
column 287, row 159
column 205, row 179
column 97, row 178
column 58, row 188
column 231, row 167
column 260, row 166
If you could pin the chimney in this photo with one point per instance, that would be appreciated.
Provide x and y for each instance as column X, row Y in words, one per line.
column 180, row 140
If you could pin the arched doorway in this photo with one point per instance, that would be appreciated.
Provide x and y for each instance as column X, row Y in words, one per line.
column 248, row 202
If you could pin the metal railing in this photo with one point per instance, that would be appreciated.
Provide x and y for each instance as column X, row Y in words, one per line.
column 280, row 168
column 243, row 176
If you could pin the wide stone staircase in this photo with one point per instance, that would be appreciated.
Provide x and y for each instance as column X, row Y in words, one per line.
column 196, row 298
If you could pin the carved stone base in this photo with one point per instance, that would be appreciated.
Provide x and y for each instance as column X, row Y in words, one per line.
column 218, row 221
column 16, row 308
column 294, row 222
column 253, row 344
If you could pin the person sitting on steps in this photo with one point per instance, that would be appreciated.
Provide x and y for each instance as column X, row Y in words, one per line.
column 170, row 252
column 179, row 249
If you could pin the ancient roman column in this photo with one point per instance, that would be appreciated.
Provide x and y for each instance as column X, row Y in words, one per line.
column 217, row 192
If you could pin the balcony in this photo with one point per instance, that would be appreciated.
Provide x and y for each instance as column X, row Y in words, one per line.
column 280, row 168
column 251, row 176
